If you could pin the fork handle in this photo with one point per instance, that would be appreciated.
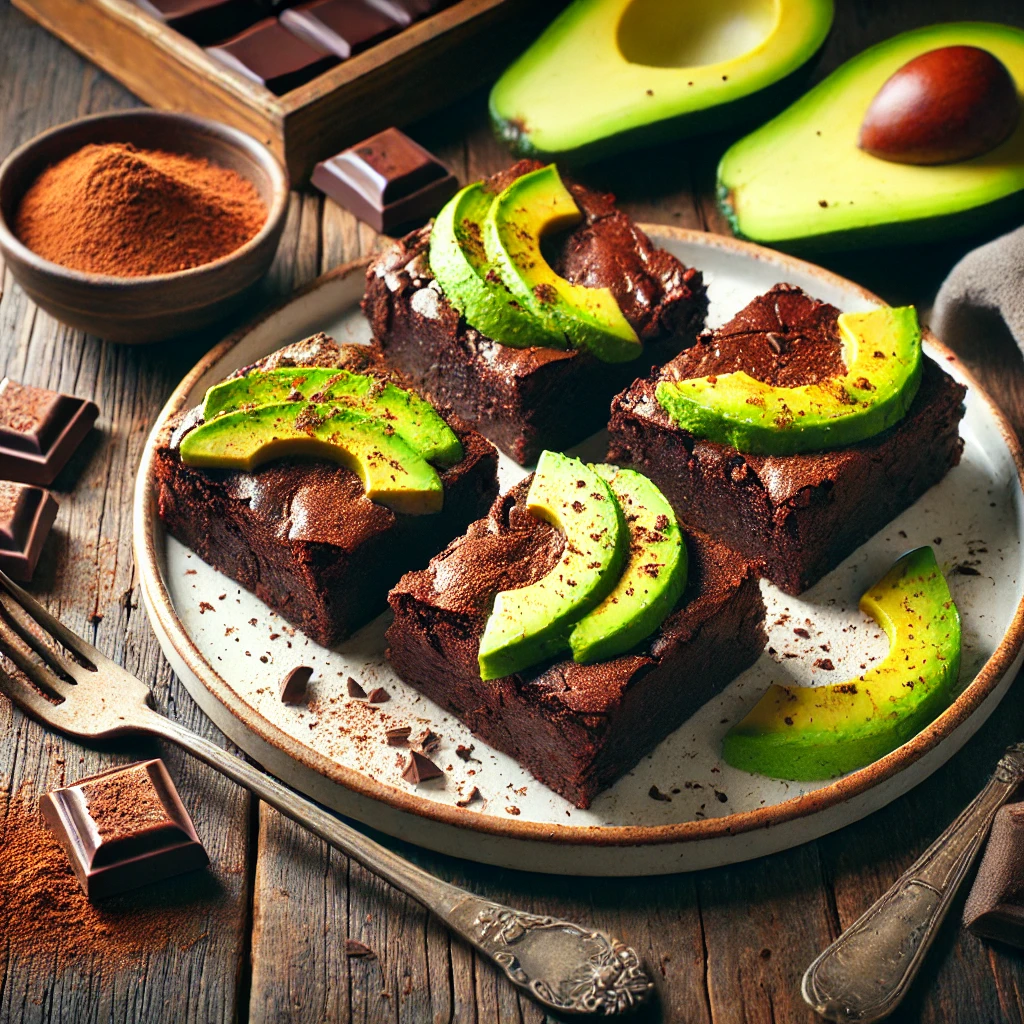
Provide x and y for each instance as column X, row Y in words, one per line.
column 601, row 975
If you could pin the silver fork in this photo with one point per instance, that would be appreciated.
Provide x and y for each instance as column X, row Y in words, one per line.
column 564, row 966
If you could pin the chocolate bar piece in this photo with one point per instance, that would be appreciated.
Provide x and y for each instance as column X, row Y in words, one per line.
column 387, row 180
column 123, row 828
column 26, row 515
column 405, row 12
column 270, row 55
column 39, row 429
column 342, row 27
column 995, row 908
column 204, row 21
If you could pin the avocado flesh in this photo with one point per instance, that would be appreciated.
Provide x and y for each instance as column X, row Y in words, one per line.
column 531, row 624
column 533, row 205
column 806, row 733
column 882, row 354
column 608, row 74
column 413, row 418
column 459, row 263
column 801, row 182
column 391, row 471
column 651, row 583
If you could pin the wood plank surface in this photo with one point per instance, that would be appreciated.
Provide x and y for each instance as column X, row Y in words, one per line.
column 264, row 939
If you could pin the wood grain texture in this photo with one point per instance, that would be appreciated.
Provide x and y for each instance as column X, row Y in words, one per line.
column 725, row 946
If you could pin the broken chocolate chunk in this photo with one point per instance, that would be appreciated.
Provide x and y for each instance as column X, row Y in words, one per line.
column 398, row 735
column 420, row 769
column 656, row 794
column 428, row 741
column 464, row 752
column 294, row 685
column 354, row 689
column 26, row 515
column 995, row 907
column 471, row 797
column 378, row 695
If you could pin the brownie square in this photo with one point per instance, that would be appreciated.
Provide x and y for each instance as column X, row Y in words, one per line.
column 300, row 533
column 529, row 399
column 794, row 517
column 577, row 728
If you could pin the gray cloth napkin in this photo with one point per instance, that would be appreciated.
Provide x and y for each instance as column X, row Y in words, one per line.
column 983, row 295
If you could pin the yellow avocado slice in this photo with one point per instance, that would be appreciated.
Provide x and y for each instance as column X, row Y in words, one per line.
column 530, row 624
column 801, row 182
column 608, row 74
column 882, row 354
column 391, row 471
column 806, row 733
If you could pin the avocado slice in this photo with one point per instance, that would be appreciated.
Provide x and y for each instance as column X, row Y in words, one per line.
column 882, row 353
column 801, row 182
column 807, row 733
column 458, row 261
column 393, row 473
column 610, row 74
column 532, row 623
column 413, row 418
column 533, row 205
column 651, row 583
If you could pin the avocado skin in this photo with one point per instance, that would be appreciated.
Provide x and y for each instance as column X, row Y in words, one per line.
column 808, row 734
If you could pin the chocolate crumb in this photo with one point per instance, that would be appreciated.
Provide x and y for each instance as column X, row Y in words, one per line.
column 824, row 663
column 428, row 741
column 357, row 950
column 471, row 797
column 378, row 695
column 512, row 809
column 293, row 686
column 800, row 631
column 656, row 794
column 466, row 753
column 963, row 569
column 720, row 797
column 354, row 689
column 204, row 607
column 420, row 769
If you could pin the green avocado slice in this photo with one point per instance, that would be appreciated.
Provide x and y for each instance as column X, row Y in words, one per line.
column 817, row 732
column 801, row 182
column 458, row 261
column 533, row 205
column 413, row 418
column 530, row 624
column 651, row 583
column 882, row 353
column 610, row 74
column 391, row 471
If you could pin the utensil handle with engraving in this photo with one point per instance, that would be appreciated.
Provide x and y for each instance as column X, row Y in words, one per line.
column 865, row 973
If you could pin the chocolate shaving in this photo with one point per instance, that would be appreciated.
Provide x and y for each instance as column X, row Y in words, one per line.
column 428, row 741
column 420, row 769
column 378, row 695
column 398, row 735
column 471, row 797
column 354, row 689
column 293, row 687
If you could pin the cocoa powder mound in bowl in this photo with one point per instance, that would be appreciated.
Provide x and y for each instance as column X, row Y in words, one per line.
column 146, row 307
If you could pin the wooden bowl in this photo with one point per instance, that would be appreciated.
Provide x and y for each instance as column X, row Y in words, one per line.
column 144, row 309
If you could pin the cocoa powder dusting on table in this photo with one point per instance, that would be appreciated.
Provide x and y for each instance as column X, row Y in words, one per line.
column 117, row 210
column 48, row 923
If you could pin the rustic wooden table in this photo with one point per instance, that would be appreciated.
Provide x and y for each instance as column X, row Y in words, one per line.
column 270, row 919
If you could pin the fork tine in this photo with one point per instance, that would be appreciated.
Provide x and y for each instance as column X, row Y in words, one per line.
column 23, row 696
column 44, row 678
column 53, row 626
column 56, row 661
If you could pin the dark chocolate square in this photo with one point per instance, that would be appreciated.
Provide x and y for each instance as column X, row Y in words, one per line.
column 405, row 12
column 204, row 21
column 26, row 515
column 270, row 55
column 123, row 828
column 39, row 430
column 342, row 27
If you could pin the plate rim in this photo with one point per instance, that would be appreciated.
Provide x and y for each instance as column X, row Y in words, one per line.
column 147, row 528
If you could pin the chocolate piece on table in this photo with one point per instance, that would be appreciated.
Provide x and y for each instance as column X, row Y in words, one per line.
column 398, row 735
column 293, row 686
column 270, row 55
column 123, row 828
column 355, row 690
column 39, row 430
column 204, row 21
column 341, row 27
column 378, row 695
column 26, row 515
column 405, row 12
column 387, row 180
column 420, row 769
column 995, row 907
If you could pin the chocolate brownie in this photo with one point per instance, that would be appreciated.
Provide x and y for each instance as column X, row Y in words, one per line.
column 529, row 399
column 577, row 728
column 300, row 533
column 797, row 516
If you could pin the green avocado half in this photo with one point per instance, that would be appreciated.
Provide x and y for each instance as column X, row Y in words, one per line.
column 882, row 354
column 801, row 182
column 817, row 732
column 610, row 74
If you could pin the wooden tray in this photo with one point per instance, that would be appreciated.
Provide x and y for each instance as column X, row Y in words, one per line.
column 423, row 68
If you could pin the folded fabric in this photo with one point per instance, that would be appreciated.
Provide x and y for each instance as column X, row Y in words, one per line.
column 983, row 295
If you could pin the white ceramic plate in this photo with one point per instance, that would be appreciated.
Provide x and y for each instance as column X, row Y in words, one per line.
column 230, row 650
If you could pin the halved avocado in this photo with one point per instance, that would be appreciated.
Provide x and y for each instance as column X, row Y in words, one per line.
column 801, row 182
column 817, row 732
column 392, row 472
column 609, row 74
column 413, row 418
column 474, row 287
column 882, row 354
column 532, row 206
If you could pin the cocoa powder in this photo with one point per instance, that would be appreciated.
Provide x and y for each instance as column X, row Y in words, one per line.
column 117, row 210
